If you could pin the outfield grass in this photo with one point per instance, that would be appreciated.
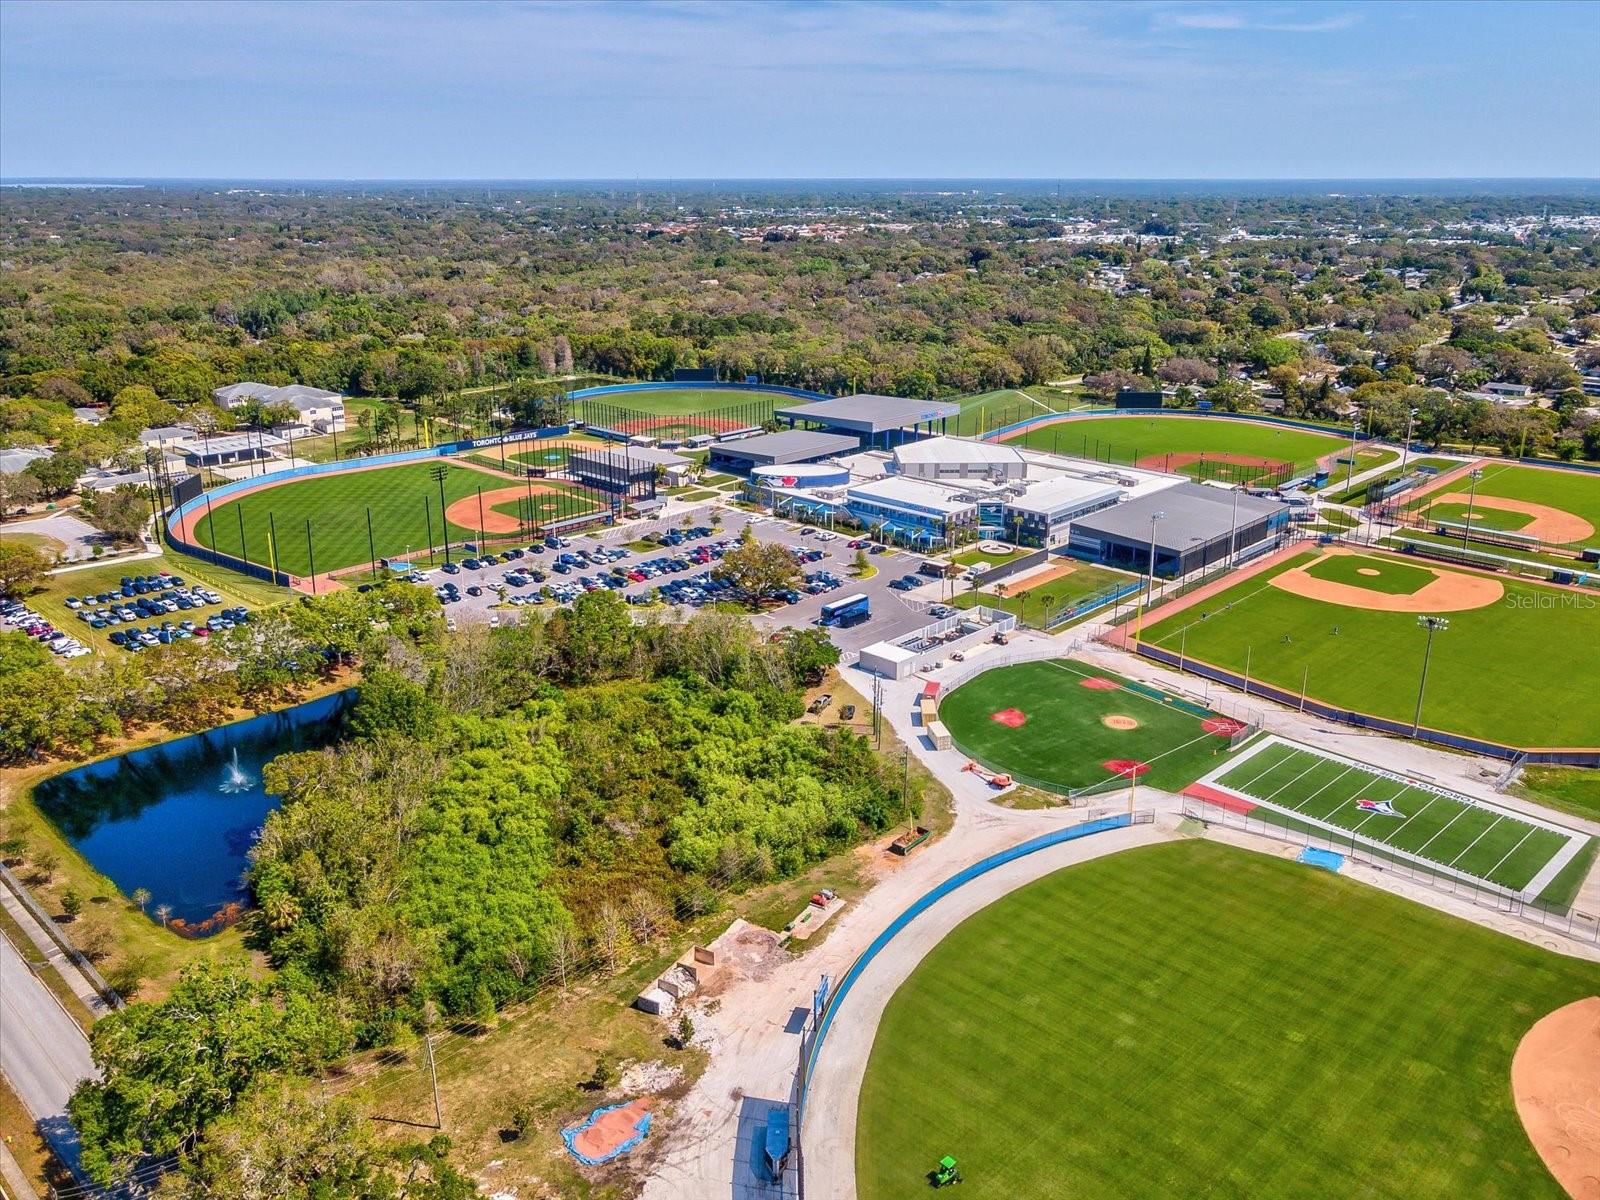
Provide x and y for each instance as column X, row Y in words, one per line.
column 672, row 402
column 1482, row 518
column 1378, row 574
column 403, row 500
column 1087, row 580
column 986, row 411
column 1063, row 745
column 1438, row 827
column 1575, row 492
column 1513, row 671
column 1125, row 440
column 1195, row 1020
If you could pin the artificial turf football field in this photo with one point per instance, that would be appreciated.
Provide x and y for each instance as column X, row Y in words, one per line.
column 1127, row 439
column 1062, row 741
column 403, row 500
column 1191, row 1020
column 1520, row 671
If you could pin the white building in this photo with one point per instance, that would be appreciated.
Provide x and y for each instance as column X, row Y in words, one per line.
column 943, row 458
column 319, row 408
column 1043, row 515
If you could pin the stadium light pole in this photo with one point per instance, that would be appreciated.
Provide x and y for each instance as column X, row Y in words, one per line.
column 1150, row 579
column 1355, row 432
column 1432, row 625
column 1472, row 497
column 1405, row 450
column 439, row 474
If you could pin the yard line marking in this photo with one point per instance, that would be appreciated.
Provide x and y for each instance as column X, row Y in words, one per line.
column 1418, row 852
column 1490, row 873
column 1286, row 758
column 1300, row 808
column 1475, row 841
column 1296, row 779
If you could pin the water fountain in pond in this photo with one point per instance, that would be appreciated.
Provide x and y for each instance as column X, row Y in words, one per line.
column 234, row 779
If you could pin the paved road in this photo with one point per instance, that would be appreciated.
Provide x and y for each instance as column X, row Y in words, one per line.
column 43, row 1053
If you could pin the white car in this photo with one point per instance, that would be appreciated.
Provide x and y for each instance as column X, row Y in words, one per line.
column 75, row 652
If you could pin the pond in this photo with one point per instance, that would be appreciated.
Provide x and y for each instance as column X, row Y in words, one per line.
column 179, row 819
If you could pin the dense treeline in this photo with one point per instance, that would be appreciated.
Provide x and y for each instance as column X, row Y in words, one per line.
column 507, row 807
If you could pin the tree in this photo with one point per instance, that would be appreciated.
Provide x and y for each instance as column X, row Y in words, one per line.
column 71, row 904
column 56, row 475
column 121, row 512
column 21, row 566
column 167, row 1070
column 758, row 570
column 685, row 1030
column 163, row 914
column 1105, row 385
column 141, row 897
column 808, row 654
column 18, row 489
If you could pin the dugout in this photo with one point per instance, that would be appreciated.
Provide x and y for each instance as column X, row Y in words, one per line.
column 876, row 421
column 1197, row 526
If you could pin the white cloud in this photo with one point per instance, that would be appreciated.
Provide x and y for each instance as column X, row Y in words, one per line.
column 1234, row 21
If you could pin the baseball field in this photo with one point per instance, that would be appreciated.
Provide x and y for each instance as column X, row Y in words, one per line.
column 1068, row 726
column 1195, row 1020
column 677, row 413
column 1559, row 507
column 1516, row 663
column 1180, row 443
column 323, row 518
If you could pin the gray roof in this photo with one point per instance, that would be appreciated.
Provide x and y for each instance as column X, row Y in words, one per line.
column 792, row 445
column 1194, row 514
column 867, row 413
column 12, row 461
column 638, row 454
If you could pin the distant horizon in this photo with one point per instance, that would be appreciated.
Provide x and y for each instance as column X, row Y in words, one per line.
column 396, row 91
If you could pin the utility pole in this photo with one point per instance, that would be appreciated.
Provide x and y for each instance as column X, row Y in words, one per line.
column 433, row 1076
column 1150, row 579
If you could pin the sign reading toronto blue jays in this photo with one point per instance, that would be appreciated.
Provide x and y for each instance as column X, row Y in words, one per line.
column 1382, row 808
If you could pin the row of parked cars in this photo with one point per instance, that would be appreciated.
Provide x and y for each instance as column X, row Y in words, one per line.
column 23, row 619
column 164, row 634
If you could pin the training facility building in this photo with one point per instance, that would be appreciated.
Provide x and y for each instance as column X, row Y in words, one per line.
column 911, row 510
column 1189, row 525
column 790, row 446
column 631, row 471
column 874, row 421
column 229, row 449
column 1044, row 513
column 944, row 458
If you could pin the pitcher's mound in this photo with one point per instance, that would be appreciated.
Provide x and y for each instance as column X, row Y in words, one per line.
column 1555, row 1079
column 1368, row 571
column 1011, row 718
column 1118, row 721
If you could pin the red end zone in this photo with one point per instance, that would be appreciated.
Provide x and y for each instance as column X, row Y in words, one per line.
column 1221, row 799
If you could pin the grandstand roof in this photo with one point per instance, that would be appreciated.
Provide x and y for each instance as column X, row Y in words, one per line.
column 792, row 445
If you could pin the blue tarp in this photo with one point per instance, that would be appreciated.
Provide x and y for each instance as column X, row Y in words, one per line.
column 570, row 1136
column 1326, row 859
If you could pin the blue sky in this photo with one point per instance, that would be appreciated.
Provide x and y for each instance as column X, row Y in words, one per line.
column 356, row 90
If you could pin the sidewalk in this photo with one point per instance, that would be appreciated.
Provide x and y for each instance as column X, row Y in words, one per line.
column 46, row 947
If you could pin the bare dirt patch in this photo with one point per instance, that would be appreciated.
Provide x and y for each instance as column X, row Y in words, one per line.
column 1178, row 460
column 1368, row 571
column 1450, row 591
column 1548, row 525
column 1555, row 1080
column 1118, row 721
column 610, row 1130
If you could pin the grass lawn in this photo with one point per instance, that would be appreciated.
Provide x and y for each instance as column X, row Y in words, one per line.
column 1126, row 440
column 990, row 410
column 1358, row 494
column 1436, row 826
column 48, row 546
column 1366, row 460
column 1573, row 790
column 1191, row 1019
column 1493, row 672
column 1063, row 743
column 1375, row 573
column 232, row 586
column 403, row 501
column 969, row 558
column 1482, row 518
column 1032, row 606
column 1576, row 492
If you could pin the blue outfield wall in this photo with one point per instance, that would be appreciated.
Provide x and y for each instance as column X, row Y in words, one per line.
column 1045, row 419
column 926, row 901
column 621, row 389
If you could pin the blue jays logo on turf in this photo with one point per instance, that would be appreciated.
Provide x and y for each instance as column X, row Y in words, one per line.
column 1382, row 807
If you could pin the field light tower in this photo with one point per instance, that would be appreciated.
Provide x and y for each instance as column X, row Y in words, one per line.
column 1150, row 580
column 1433, row 625
column 1472, row 497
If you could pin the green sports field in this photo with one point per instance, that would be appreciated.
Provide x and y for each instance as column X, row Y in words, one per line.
column 1518, row 671
column 1034, row 606
column 1129, row 440
column 403, row 500
column 1436, row 826
column 1062, row 742
column 1194, row 1020
column 1575, row 492
column 673, row 402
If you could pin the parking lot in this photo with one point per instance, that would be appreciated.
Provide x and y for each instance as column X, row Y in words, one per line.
column 135, row 613
column 891, row 614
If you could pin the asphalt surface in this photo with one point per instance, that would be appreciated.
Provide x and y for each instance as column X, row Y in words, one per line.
column 891, row 615
column 43, row 1053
